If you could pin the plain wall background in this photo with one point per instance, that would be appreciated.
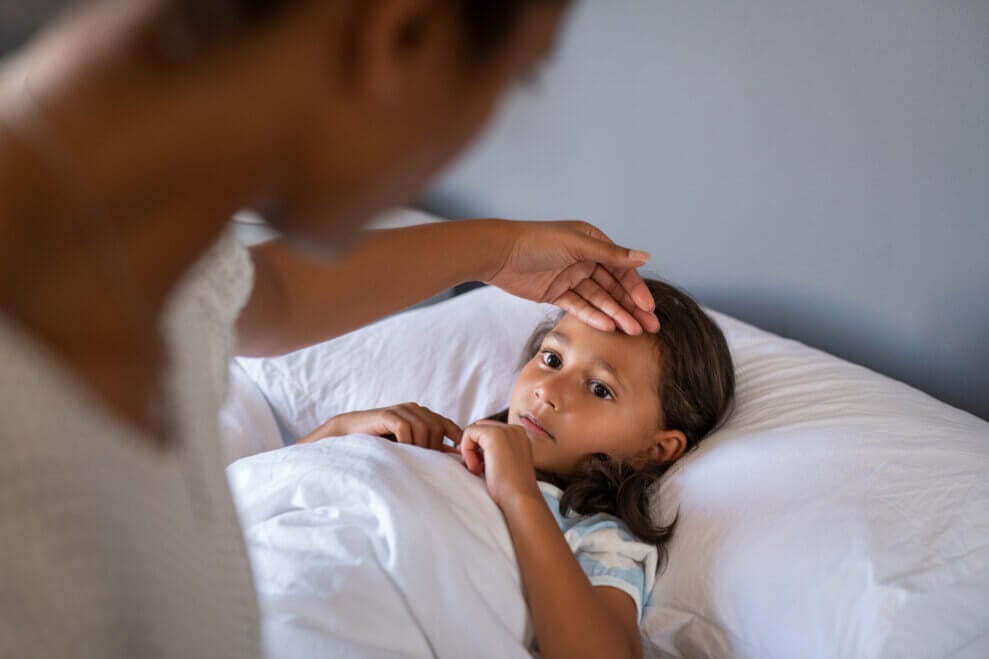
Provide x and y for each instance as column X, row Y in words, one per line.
column 819, row 169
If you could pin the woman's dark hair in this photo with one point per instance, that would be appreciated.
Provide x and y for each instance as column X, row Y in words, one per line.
column 696, row 390
column 486, row 22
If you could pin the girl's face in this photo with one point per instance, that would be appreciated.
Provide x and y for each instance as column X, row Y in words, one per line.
column 587, row 391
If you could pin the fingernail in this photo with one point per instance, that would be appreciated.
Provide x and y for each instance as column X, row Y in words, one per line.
column 638, row 255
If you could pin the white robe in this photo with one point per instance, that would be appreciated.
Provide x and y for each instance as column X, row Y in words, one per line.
column 109, row 546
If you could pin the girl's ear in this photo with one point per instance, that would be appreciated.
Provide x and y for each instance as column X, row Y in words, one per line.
column 665, row 446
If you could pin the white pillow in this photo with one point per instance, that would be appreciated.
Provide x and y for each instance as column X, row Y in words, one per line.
column 837, row 514
column 246, row 422
column 458, row 358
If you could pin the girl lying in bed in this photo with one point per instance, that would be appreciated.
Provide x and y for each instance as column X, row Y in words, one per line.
column 595, row 419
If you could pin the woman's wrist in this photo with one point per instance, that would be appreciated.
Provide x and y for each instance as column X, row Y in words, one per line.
column 492, row 242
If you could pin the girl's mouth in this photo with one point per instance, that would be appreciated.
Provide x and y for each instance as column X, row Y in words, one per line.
column 529, row 423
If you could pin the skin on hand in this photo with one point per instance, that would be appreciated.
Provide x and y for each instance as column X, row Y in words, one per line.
column 407, row 423
column 575, row 266
column 503, row 454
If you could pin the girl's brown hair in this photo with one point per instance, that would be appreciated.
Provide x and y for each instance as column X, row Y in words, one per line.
column 696, row 390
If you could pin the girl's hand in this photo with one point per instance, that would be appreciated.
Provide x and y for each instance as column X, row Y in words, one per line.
column 503, row 454
column 408, row 423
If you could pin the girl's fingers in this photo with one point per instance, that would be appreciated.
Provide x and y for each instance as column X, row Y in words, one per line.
column 420, row 430
column 473, row 461
column 433, row 428
column 426, row 429
column 400, row 427
column 440, row 428
column 451, row 429
column 437, row 431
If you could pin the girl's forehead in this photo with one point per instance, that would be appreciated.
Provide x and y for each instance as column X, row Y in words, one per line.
column 634, row 357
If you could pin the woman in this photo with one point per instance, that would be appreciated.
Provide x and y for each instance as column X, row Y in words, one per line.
column 130, row 131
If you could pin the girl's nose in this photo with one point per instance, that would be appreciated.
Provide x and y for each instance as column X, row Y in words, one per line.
column 547, row 394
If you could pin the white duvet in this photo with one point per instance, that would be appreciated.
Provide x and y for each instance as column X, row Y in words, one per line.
column 366, row 548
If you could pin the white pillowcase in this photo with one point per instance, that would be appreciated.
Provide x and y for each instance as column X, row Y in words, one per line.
column 458, row 358
column 247, row 426
column 837, row 514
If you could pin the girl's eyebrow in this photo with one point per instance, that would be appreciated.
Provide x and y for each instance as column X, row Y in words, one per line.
column 611, row 370
column 564, row 340
column 559, row 336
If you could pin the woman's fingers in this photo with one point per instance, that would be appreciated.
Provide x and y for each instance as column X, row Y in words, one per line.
column 638, row 292
column 595, row 306
column 617, row 275
column 585, row 311
column 611, row 283
column 648, row 320
column 602, row 300
column 630, row 291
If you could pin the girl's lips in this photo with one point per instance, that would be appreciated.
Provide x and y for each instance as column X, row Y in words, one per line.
column 531, row 424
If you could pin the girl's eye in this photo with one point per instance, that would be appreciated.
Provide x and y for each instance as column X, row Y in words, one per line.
column 551, row 359
column 601, row 391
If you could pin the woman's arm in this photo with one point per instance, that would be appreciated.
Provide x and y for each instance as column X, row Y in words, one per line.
column 572, row 617
column 300, row 300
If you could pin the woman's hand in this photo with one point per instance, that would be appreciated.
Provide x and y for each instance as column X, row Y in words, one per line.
column 503, row 454
column 408, row 423
column 578, row 268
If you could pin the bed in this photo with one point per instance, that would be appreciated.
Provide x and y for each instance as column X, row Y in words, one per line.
column 838, row 513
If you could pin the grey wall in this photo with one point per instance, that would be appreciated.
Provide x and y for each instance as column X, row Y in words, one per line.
column 19, row 19
column 820, row 169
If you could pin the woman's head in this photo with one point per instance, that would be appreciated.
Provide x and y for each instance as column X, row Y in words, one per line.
column 385, row 92
column 318, row 113
column 485, row 23
column 608, row 413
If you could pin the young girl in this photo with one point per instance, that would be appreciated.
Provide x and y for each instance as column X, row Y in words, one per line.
column 595, row 419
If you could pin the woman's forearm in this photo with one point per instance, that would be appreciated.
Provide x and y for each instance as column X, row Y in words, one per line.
column 569, row 619
column 298, row 301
